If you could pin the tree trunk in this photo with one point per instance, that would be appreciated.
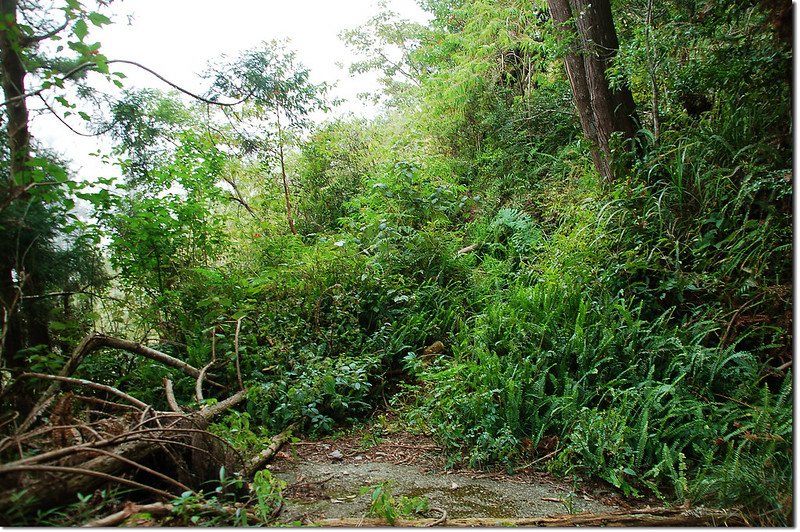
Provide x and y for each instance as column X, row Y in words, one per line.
column 587, row 28
column 289, row 216
column 12, row 74
column 13, row 81
column 57, row 486
column 11, row 328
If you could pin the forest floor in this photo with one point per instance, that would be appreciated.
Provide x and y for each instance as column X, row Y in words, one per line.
column 334, row 478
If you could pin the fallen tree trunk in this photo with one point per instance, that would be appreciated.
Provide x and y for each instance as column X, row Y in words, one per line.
column 93, row 342
column 55, row 487
column 646, row 517
column 258, row 461
column 156, row 509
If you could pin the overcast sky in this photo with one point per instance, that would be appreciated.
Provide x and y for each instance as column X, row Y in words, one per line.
column 177, row 38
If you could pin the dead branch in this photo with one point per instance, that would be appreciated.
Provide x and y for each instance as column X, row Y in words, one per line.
column 467, row 249
column 101, row 340
column 48, row 396
column 210, row 411
column 133, row 446
column 646, row 517
column 157, row 509
column 7, row 441
column 415, row 447
column 442, row 518
column 141, row 467
column 103, row 402
column 89, row 384
column 93, row 342
column 89, row 472
column 236, row 353
column 198, row 387
column 173, row 404
column 258, row 461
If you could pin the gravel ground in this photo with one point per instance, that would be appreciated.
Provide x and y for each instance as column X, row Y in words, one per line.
column 325, row 480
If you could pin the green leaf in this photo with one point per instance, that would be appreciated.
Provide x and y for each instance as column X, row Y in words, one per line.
column 98, row 19
column 80, row 29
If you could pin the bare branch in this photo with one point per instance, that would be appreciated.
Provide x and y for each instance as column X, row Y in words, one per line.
column 155, row 509
column 211, row 411
column 89, row 384
column 32, row 39
column 236, row 353
column 198, row 387
column 93, row 66
column 263, row 457
column 139, row 466
column 89, row 472
column 173, row 404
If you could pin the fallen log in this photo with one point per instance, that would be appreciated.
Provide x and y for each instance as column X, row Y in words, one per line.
column 645, row 517
column 156, row 509
column 258, row 461
column 56, row 486
column 93, row 342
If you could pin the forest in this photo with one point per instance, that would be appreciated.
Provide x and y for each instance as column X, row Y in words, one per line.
column 563, row 244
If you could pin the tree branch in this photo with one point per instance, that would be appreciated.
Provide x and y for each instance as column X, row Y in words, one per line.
column 156, row 509
column 92, row 66
column 32, row 39
column 263, row 457
column 173, row 404
column 89, row 384
column 89, row 472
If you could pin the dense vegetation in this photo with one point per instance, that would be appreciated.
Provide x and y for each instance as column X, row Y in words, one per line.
column 637, row 320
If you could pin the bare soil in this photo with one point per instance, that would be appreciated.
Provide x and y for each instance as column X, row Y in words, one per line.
column 326, row 478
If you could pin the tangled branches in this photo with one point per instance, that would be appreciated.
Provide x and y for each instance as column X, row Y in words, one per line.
column 71, row 443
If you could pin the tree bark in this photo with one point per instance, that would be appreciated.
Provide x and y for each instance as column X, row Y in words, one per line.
column 13, row 81
column 10, row 326
column 289, row 216
column 587, row 28
column 91, row 343
column 12, row 74
column 60, row 487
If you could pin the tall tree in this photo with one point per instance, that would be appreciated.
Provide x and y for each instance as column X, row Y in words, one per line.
column 35, row 191
column 587, row 29
column 281, row 97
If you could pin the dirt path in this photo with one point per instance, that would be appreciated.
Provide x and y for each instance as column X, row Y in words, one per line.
column 325, row 480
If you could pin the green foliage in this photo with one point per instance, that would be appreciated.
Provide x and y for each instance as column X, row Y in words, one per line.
column 27, row 513
column 332, row 168
column 643, row 325
column 269, row 493
column 384, row 505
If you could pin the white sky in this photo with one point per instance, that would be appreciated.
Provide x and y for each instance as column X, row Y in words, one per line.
column 177, row 38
